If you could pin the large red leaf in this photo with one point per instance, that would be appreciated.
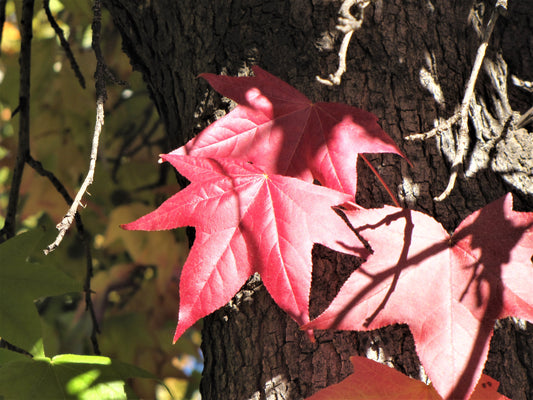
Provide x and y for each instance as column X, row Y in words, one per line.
column 372, row 380
column 247, row 222
column 282, row 131
column 449, row 290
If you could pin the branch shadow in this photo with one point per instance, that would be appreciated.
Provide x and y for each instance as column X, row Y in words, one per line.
column 491, row 225
column 487, row 271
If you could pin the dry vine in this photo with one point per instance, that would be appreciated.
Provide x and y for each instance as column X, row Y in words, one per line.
column 461, row 116
column 347, row 25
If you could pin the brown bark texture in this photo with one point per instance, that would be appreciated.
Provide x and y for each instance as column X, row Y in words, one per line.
column 408, row 64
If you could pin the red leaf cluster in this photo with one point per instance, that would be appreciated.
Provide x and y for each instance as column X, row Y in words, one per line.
column 255, row 209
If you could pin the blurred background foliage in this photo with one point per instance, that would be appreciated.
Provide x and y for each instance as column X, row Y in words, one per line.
column 135, row 279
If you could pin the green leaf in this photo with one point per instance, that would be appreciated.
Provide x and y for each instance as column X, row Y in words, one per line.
column 22, row 282
column 68, row 376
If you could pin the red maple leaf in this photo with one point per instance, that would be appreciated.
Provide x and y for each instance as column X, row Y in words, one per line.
column 247, row 221
column 372, row 380
column 449, row 289
column 279, row 129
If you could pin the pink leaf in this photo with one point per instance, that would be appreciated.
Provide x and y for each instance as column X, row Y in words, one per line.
column 282, row 131
column 247, row 221
column 449, row 290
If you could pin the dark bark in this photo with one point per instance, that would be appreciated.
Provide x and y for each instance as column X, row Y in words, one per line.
column 252, row 350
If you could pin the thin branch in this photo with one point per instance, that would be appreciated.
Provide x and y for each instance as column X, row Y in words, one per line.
column 101, row 69
column 347, row 24
column 67, row 220
column 72, row 214
column 23, row 152
column 126, row 148
column 461, row 117
column 6, row 345
column 463, row 139
column 101, row 96
column 89, row 306
column 38, row 167
column 442, row 127
column 64, row 225
column 64, row 43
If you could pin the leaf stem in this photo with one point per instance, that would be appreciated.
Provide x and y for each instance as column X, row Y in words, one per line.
column 394, row 200
column 348, row 24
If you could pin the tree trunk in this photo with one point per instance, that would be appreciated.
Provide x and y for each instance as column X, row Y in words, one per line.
column 408, row 64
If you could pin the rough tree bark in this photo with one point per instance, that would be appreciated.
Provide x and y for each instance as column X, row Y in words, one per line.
column 408, row 64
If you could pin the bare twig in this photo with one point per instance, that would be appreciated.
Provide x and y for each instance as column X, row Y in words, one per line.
column 347, row 24
column 64, row 43
column 101, row 96
column 67, row 220
column 461, row 116
column 23, row 152
column 64, row 225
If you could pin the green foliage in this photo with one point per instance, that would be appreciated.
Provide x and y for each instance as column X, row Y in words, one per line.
column 134, row 288
column 22, row 282
column 67, row 376
column 62, row 377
